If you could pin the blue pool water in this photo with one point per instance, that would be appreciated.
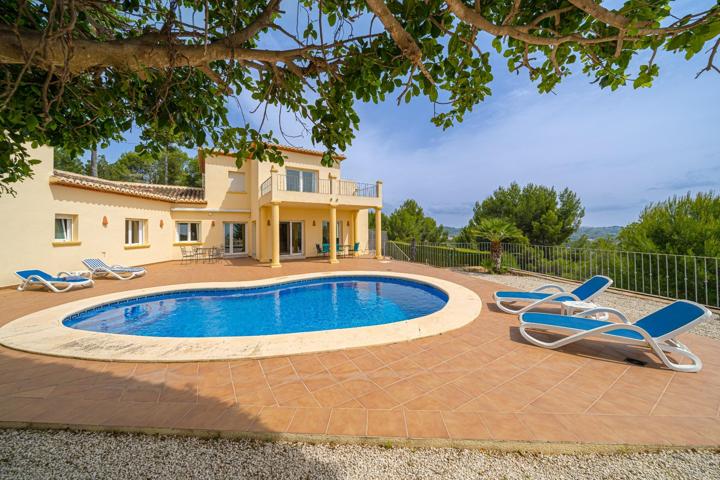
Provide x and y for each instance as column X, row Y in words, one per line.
column 301, row 306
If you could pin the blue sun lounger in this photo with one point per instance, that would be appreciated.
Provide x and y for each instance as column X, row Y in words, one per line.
column 98, row 268
column 657, row 330
column 584, row 293
column 58, row 284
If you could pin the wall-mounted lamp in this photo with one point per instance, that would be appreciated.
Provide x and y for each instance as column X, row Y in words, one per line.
column 105, row 221
column 162, row 223
column 313, row 223
column 348, row 223
column 268, row 223
column 213, row 223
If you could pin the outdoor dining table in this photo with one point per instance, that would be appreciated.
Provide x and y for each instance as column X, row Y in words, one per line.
column 205, row 253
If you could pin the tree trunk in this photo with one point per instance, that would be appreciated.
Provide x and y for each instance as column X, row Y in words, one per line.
column 93, row 163
column 166, row 168
column 496, row 254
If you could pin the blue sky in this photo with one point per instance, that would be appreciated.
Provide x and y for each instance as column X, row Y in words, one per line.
column 618, row 150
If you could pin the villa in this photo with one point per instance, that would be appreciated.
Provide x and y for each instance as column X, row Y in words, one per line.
column 261, row 210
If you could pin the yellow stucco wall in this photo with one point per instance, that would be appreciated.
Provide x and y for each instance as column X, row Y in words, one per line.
column 28, row 218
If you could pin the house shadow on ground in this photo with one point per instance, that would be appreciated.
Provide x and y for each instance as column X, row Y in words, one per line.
column 174, row 412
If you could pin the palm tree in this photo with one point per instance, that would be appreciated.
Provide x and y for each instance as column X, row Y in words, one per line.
column 496, row 230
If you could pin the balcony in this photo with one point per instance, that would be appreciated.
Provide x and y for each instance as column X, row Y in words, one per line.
column 281, row 188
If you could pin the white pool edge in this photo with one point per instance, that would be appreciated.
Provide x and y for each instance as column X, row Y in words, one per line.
column 43, row 332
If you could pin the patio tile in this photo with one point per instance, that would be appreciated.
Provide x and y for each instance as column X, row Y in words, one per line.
column 281, row 375
column 462, row 425
column 273, row 419
column 446, row 397
column 547, row 427
column 367, row 362
column 506, row 426
column 310, row 420
column 333, row 396
column 261, row 395
column 386, row 423
column 274, row 363
column 345, row 371
column 384, row 376
column 307, row 365
column 359, row 386
column 348, row 421
column 378, row 399
column 425, row 424
column 332, row 359
column 499, row 386
column 405, row 390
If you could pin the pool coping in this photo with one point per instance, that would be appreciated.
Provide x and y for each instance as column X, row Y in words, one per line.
column 43, row 332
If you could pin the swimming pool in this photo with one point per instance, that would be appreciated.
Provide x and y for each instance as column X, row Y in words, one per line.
column 390, row 307
column 292, row 307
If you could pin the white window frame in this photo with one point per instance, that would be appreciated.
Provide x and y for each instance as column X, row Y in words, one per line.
column 69, row 232
column 142, row 233
column 301, row 180
column 234, row 180
column 189, row 231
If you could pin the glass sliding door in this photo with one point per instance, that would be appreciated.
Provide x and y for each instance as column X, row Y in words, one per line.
column 326, row 232
column 235, row 239
column 291, row 238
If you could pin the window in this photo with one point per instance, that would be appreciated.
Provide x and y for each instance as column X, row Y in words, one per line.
column 64, row 228
column 188, row 231
column 301, row 181
column 135, row 232
column 237, row 182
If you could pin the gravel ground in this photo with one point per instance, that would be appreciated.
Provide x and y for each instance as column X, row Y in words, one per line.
column 35, row 454
column 633, row 307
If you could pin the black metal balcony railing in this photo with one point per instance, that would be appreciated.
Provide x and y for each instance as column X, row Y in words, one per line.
column 284, row 183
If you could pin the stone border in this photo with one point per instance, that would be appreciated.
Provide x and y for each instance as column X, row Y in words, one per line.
column 530, row 447
column 43, row 332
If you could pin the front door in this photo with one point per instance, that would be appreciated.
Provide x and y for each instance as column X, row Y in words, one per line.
column 291, row 238
column 235, row 239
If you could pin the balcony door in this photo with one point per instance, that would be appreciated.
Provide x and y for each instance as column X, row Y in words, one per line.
column 301, row 180
column 235, row 239
column 291, row 238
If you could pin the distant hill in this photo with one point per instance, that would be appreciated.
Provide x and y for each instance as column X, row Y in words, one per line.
column 593, row 233
column 453, row 231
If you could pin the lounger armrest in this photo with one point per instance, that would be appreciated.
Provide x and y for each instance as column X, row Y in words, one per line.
column 34, row 278
column 549, row 286
column 542, row 301
column 63, row 274
column 612, row 311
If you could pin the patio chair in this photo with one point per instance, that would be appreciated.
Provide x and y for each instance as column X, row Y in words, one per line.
column 318, row 249
column 584, row 293
column 188, row 253
column 657, row 330
column 356, row 248
column 326, row 249
column 62, row 282
column 98, row 268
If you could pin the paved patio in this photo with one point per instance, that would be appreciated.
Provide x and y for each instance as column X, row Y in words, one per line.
column 482, row 382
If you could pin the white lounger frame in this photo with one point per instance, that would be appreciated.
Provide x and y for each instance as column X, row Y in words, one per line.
column 550, row 299
column 102, row 272
column 35, row 280
column 660, row 345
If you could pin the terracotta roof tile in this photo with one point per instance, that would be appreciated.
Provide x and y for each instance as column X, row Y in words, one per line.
column 167, row 193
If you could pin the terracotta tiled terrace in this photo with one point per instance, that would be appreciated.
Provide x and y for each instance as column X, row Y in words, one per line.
column 482, row 382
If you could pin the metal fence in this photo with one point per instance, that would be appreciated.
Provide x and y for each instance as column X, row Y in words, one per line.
column 664, row 275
